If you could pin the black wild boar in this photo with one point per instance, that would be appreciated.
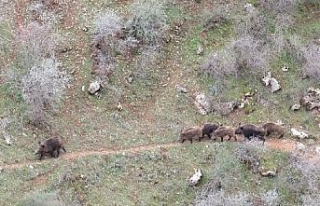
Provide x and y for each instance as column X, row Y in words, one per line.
column 250, row 131
column 50, row 146
column 208, row 129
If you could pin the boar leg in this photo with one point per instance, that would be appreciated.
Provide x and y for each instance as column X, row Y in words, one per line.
column 63, row 149
column 41, row 156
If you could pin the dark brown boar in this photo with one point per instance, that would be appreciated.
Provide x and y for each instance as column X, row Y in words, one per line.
column 191, row 133
column 271, row 128
column 208, row 129
column 50, row 146
column 225, row 131
column 250, row 131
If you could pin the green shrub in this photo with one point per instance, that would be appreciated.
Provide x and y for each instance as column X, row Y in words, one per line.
column 42, row 89
column 147, row 22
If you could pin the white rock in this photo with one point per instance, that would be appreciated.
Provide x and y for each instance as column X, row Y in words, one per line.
column 272, row 82
column 181, row 88
column 94, row 87
column 203, row 104
column 200, row 49
column 194, row 180
column 285, row 68
column 299, row 134
column 295, row 107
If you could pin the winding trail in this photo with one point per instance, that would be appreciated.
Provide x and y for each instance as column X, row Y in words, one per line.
column 76, row 155
column 286, row 145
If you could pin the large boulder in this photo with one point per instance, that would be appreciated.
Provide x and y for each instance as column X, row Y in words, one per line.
column 203, row 104
column 94, row 87
column 271, row 82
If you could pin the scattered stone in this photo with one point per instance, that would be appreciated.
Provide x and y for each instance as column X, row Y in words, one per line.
column 85, row 29
column 203, row 104
column 200, row 49
column 181, row 89
column 312, row 99
column 295, row 107
column 119, row 107
column 285, row 68
column 3, row 127
column 195, row 179
column 299, row 134
column 129, row 79
column 314, row 91
column 268, row 173
column 272, row 82
column 7, row 138
column 94, row 87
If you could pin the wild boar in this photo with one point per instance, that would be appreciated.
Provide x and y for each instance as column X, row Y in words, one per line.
column 50, row 146
column 225, row 131
column 274, row 128
column 191, row 133
column 208, row 129
column 249, row 131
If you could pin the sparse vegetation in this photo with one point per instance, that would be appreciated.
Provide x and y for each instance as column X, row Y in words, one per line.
column 34, row 43
column 147, row 22
column 152, row 59
column 42, row 89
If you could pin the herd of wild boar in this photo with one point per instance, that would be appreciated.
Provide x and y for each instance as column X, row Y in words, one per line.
column 213, row 131
column 53, row 145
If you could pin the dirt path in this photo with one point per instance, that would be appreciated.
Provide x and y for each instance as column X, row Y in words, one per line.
column 286, row 145
column 76, row 155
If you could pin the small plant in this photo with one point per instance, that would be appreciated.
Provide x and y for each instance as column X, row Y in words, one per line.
column 107, row 25
column 107, row 42
column 220, row 64
column 279, row 6
column 147, row 22
column 215, row 18
column 296, row 50
column 42, row 89
column 312, row 65
column 253, row 24
column 35, row 43
column 250, row 54
column 243, row 56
